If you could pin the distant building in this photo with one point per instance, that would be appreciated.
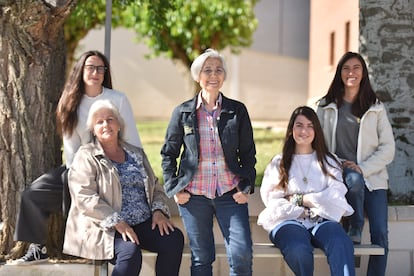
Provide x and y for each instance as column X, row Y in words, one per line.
column 270, row 77
column 334, row 30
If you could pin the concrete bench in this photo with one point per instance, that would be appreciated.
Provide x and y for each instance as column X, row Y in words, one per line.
column 260, row 250
column 269, row 250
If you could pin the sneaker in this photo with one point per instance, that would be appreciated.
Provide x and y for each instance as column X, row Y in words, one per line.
column 35, row 254
column 355, row 235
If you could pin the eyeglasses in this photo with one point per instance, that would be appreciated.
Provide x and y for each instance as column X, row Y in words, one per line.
column 218, row 71
column 91, row 68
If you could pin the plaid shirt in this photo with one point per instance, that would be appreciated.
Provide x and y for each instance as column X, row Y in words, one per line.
column 213, row 177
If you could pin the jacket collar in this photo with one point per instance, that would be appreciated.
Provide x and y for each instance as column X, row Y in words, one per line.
column 99, row 152
column 191, row 105
column 375, row 107
column 199, row 100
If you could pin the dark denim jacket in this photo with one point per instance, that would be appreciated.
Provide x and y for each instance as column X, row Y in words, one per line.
column 236, row 136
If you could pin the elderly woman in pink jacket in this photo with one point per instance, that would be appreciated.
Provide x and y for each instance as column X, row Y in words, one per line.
column 357, row 130
column 118, row 206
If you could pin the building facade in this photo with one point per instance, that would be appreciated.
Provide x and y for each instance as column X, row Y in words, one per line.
column 270, row 77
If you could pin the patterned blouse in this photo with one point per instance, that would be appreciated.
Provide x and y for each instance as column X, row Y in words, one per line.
column 135, row 208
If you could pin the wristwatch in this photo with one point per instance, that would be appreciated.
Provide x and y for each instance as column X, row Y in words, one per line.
column 246, row 190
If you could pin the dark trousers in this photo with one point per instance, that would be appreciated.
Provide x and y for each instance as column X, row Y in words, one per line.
column 40, row 199
column 128, row 257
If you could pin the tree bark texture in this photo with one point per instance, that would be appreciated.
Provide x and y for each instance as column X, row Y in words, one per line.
column 32, row 70
column 387, row 42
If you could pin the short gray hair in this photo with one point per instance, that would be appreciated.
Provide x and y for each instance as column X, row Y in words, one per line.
column 105, row 104
column 198, row 63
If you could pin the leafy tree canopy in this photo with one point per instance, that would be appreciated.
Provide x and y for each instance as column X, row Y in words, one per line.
column 178, row 29
column 88, row 15
column 182, row 29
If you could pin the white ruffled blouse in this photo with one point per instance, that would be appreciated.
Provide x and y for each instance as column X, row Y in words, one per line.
column 327, row 192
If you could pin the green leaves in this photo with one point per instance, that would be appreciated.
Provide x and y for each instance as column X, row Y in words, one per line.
column 188, row 27
column 179, row 29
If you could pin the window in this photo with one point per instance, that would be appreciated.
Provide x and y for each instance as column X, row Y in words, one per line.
column 332, row 49
column 347, row 35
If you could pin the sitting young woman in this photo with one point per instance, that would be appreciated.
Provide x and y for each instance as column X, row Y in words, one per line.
column 304, row 196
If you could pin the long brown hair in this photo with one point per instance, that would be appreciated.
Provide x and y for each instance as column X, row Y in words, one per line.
column 366, row 95
column 318, row 144
column 67, row 108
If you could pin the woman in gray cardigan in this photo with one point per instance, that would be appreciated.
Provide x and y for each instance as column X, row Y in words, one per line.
column 118, row 206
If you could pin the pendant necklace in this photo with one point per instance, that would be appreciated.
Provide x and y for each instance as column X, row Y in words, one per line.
column 305, row 176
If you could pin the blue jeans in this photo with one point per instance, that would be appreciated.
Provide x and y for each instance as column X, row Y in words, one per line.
column 128, row 257
column 233, row 220
column 355, row 196
column 375, row 205
column 296, row 243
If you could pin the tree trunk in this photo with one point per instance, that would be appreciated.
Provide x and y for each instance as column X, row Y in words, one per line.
column 32, row 58
column 387, row 41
